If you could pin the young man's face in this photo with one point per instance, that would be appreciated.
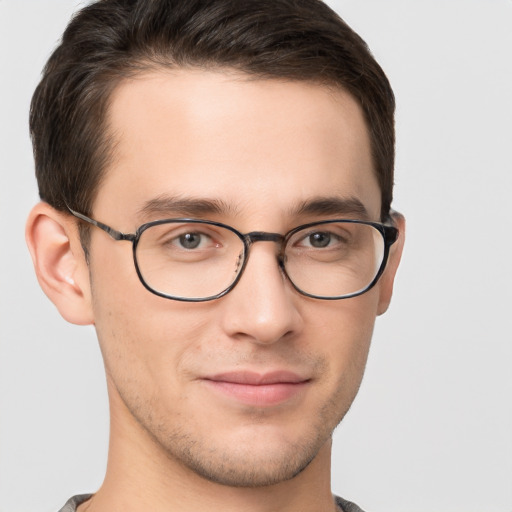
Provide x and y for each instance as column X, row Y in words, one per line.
column 178, row 372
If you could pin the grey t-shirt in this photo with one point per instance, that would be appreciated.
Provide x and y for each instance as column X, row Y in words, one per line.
column 72, row 504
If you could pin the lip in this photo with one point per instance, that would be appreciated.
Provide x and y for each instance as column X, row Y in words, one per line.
column 258, row 389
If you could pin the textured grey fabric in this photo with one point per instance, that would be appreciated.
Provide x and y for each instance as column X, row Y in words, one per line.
column 72, row 504
column 347, row 506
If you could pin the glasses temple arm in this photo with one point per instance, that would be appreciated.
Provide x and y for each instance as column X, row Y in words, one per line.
column 116, row 235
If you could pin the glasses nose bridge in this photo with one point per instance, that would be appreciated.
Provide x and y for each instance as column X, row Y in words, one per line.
column 263, row 236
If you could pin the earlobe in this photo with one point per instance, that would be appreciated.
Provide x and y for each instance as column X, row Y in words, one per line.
column 395, row 254
column 54, row 244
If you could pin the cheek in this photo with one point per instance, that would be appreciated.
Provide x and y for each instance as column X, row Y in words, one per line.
column 344, row 332
column 141, row 335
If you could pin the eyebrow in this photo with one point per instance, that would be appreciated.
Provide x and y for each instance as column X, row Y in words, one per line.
column 187, row 207
column 333, row 206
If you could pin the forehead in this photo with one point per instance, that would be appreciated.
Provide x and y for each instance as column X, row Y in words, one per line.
column 253, row 145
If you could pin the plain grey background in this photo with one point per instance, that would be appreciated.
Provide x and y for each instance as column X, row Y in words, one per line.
column 431, row 429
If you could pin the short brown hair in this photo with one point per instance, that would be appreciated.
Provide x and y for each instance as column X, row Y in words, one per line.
column 111, row 39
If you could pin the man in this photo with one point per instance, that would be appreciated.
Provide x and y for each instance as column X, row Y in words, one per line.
column 216, row 183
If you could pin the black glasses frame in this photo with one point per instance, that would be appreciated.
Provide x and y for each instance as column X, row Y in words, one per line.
column 389, row 235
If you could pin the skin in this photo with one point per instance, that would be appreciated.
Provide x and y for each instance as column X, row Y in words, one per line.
column 261, row 147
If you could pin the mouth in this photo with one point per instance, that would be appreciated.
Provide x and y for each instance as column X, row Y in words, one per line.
column 258, row 389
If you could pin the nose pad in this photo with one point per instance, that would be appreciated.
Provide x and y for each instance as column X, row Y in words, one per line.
column 239, row 261
column 281, row 260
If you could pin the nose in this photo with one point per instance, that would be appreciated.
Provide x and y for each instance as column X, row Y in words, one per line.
column 263, row 306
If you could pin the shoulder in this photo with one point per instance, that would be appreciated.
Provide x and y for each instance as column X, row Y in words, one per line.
column 347, row 506
column 72, row 504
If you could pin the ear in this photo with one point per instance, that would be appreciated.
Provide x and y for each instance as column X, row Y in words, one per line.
column 59, row 261
column 388, row 277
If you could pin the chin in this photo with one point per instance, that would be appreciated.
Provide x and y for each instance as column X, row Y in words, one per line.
column 250, row 469
column 258, row 457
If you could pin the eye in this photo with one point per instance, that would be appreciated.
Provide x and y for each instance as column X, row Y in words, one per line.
column 191, row 240
column 175, row 239
column 182, row 237
column 179, row 243
column 319, row 240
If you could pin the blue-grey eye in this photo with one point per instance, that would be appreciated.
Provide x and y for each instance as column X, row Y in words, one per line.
column 320, row 239
column 190, row 240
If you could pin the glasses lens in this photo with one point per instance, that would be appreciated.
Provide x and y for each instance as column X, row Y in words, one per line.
column 334, row 259
column 189, row 260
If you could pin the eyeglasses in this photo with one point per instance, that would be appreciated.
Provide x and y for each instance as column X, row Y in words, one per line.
column 198, row 260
